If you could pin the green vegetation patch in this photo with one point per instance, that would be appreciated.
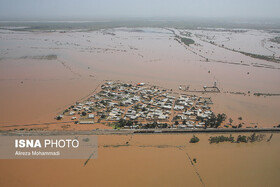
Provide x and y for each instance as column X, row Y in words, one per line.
column 218, row 139
column 46, row 57
column 194, row 160
column 194, row 139
column 115, row 146
column 262, row 57
column 187, row 41
column 240, row 138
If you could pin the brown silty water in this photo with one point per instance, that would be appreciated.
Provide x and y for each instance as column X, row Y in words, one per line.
column 155, row 160
column 35, row 87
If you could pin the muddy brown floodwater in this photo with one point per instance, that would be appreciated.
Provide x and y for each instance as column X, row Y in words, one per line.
column 155, row 160
column 41, row 73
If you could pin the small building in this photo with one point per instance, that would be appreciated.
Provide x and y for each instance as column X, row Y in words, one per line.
column 91, row 116
column 71, row 113
column 190, row 126
column 199, row 126
column 167, row 107
column 177, row 107
column 182, row 126
column 86, row 122
column 141, row 84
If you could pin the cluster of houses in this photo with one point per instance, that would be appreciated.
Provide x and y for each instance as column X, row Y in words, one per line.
column 143, row 104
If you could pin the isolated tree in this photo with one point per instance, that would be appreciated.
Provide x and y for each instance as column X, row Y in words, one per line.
column 129, row 123
column 230, row 120
column 220, row 118
column 58, row 118
column 165, row 125
column 122, row 122
column 194, row 139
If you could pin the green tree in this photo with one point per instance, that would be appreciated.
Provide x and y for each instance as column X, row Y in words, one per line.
column 194, row 139
column 220, row 119
column 58, row 118
column 215, row 121
column 241, row 139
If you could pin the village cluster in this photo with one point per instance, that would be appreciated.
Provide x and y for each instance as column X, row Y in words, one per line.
column 125, row 105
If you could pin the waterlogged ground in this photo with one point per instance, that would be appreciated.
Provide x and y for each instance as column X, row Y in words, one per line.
column 155, row 160
column 247, row 40
column 43, row 72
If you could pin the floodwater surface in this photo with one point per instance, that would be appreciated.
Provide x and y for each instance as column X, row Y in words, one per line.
column 42, row 73
column 155, row 160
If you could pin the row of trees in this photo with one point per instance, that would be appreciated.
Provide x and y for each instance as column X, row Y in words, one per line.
column 241, row 138
column 121, row 123
column 215, row 121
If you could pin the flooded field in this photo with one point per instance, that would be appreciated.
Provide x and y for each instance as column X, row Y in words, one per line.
column 156, row 160
column 42, row 72
column 139, row 93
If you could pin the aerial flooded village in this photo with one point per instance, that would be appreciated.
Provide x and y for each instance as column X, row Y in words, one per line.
column 142, row 106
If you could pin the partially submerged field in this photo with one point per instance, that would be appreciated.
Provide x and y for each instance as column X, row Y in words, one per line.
column 44, row 72
column 156, row 160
